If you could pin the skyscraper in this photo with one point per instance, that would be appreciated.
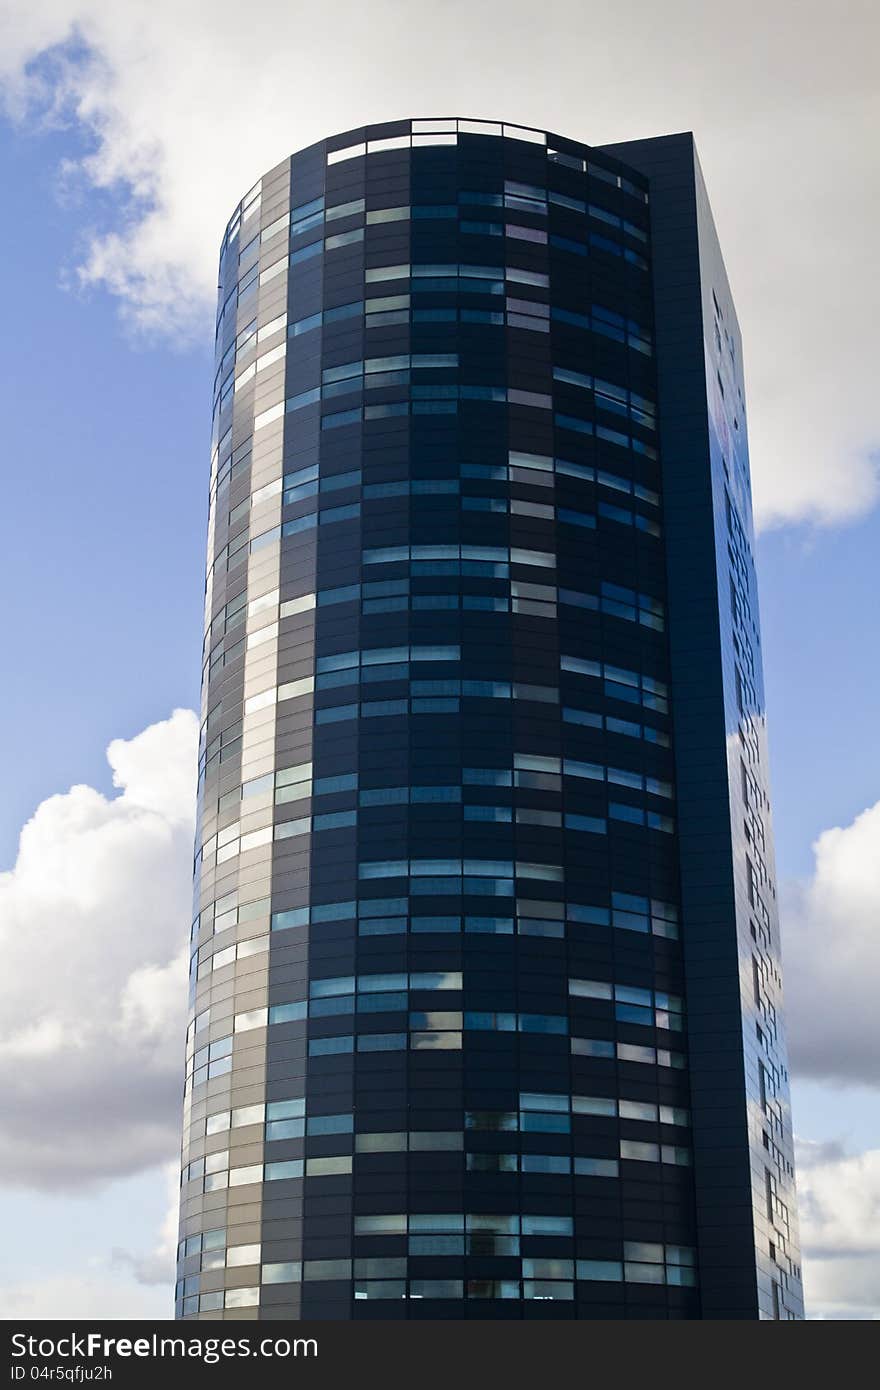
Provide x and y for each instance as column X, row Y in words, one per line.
column 486, row 982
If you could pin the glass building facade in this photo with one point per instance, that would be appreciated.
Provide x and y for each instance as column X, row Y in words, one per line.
column 485, row 990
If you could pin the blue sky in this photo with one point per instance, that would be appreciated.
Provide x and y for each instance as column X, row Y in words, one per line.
column 818, row 595
column 109, row 495
column 106, row 448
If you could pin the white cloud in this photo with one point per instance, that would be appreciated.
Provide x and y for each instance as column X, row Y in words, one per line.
column 158, row 1265
column 839, row 1205
column 112, row 1249
column 78, row 1296
column 832, row 957
column 184, row 106
column 93, row 939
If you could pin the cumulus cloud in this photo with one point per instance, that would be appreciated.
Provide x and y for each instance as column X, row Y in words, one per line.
column 81, row 1296
column 157, row 1266
column 181, row 108
column 93, row 935
column 832, row 957
column 839, row 1205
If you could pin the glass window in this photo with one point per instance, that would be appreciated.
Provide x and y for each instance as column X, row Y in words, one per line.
column 492, row 1163
column 323, row 1047
column 285, row 1129
column 288, row 1013
column 327, row 1167
column 330, row 1124
column 592, row 1047
column 593, row 1105
column 645, row 1153
column 385, row 1225
column 380, row 1288
column 449, row 1041
column 547, row 1226
column 289, row 1273
column 600, row 1269
column 436, row 1221
column 239, row 1177
column 536, row 1122
column 547, row 1288
column 643, row 1274
column 545, row 1163
column 436, row 1288
column 637, row 1110
column 242, row 1298
column 436, row 1245
column 531, row 1100
column 493, row 1288
column 242, row 1255
column 596, row 1167
column 381, row 1143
